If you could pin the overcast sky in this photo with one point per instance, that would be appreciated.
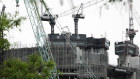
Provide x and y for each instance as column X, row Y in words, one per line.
column 112, row 22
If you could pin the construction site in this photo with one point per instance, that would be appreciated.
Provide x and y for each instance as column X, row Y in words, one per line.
column 77, row 55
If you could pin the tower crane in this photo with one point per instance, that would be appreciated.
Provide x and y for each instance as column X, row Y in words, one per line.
column 51, row 19
column 76, row 17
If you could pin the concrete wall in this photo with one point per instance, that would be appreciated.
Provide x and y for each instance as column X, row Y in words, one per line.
column 138, row 74
column 125, row 60
column 97, row 60
column 135, row 62
column 21, row 53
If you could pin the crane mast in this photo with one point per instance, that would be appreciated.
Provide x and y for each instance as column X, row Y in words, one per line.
column 39, row 32
column 48, row 17
column 76, row 17
column 130, row 15
column 131, row 32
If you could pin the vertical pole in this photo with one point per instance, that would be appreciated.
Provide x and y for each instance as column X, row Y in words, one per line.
column 1, row 49
column 52, row 23
column 1, row 35
column 76, row 25
column 52, row 28
column 130, row 15
column 131, row 27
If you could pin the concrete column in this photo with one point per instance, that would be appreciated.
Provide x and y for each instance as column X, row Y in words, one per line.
column 125, row 60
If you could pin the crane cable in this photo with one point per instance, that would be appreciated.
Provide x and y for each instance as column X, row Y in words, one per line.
column 85, row 5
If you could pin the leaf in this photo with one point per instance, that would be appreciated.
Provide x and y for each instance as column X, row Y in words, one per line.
column 7, row 22
column 4, row 44
column 17, row 69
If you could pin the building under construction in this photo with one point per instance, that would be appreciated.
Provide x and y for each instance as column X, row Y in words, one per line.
column 128, row 62
column 92, row 50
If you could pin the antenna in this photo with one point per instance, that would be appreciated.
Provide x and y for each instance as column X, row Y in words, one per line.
column 126, row 35
column 122, row 35
column 105, row 35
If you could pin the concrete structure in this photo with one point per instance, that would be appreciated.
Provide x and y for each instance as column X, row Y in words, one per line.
column 119, row 72
column 21, row 53
column 135, row 62
column 128, row 62
column 92, row 50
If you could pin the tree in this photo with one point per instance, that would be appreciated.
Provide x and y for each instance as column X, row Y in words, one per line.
column 7, row 22
column 34, row 68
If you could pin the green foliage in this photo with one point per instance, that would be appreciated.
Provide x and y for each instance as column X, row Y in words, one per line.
column 13, row 69
column 34, row 68
column 7, row 22
column 4, row 43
